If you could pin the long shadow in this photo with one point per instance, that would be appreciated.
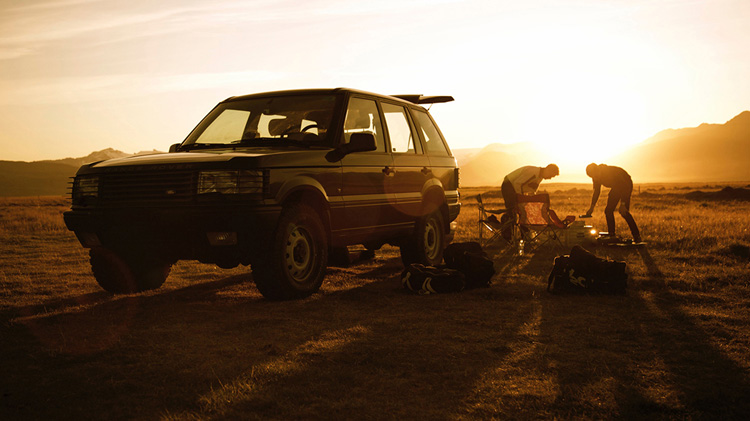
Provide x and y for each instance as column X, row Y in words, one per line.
column 187, row 353
column 639, row 356
column 54, row 305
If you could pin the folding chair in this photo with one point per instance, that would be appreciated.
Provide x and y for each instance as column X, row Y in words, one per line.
column 538, row 224
column 495, row 226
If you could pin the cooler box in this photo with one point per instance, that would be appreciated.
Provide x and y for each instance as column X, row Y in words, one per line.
column 578, row 233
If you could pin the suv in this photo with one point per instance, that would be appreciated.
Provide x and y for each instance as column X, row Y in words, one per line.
column 278, row 181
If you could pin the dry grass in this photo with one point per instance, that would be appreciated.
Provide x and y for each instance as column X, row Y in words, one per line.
column 207, row 345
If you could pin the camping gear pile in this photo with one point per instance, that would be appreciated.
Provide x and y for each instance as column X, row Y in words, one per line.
column 583, row 272
column 467, row 266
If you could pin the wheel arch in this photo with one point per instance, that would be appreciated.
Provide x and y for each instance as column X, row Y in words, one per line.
column 433, row 197
column 311, row 196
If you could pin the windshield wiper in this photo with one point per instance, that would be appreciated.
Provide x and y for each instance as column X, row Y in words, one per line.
column 274, row 141
column 192, row 146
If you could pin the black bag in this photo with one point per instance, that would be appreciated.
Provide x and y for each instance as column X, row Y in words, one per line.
column 431, row 280
column 584, row 272
column 472, row 261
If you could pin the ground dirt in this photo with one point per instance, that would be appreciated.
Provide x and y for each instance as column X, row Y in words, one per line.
column 207, row 345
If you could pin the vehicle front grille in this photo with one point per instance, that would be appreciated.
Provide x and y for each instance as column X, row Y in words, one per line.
column 147, row 188
column 155, row 188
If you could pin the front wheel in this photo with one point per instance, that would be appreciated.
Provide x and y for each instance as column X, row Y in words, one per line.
column 428, row 242
column 118, row 275
column 295, row 264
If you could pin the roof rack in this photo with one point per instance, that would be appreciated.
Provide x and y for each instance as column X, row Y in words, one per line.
column 421, row 99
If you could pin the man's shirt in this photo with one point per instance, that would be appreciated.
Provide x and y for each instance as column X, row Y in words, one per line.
column 525, row 179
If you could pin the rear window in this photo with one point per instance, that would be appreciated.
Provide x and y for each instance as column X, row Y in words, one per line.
column 433, row 142
column 399, row 128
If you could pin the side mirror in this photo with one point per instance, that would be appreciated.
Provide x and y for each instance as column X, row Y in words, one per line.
column 361, row 142
column 358, row 142
column 174, row 148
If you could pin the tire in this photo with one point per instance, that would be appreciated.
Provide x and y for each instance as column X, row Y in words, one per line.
column 427, row 245
column 119, row 276
column 295, row 264
column 151, row 275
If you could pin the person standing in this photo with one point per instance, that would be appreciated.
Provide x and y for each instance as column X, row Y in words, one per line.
column 525, row 180
column 621, row 188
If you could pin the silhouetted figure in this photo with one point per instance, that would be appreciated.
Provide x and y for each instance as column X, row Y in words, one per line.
column 621, row 185
column 525, row 180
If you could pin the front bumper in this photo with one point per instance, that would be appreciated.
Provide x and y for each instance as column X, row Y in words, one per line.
column 200, row 233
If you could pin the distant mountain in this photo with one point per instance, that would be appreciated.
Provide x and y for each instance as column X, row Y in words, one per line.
column 463, row 155
column 709, row 152
column 102, row 155
column 488, row 166
column 45, row 178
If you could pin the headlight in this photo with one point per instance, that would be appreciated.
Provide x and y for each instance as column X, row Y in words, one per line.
column 230, row 182
column 85, row 186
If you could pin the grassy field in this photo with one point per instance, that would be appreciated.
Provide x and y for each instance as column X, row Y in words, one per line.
column 207, row 345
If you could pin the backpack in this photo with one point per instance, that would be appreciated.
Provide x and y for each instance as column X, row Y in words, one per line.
column 431, row 280
column 584, row 272
column 472, row 261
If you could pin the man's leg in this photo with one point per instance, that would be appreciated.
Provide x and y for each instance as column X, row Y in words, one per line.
column 609, row 211
column 508, row 219
column 509, row 195
column 625, row 212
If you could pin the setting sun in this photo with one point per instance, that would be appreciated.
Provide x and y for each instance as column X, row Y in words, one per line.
column 586, row 119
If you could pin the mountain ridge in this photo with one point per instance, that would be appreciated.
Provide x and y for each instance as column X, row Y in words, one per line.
column 47, row 177
column 708, row 152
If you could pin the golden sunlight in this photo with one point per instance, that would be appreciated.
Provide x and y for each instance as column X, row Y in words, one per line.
column 587, row 118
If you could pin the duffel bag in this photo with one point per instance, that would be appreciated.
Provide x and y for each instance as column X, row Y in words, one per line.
column 584, row 272
column 472, row 261
column 431, row 280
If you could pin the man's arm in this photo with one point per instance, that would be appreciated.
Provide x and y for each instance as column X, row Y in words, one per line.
column 531, row 184
column 595, row 197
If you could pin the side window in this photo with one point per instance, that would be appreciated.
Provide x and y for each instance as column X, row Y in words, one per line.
column 399, row 129
column 432, row 140
column 362, row 117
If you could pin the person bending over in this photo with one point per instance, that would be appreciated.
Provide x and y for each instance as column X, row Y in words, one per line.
column 525, row 180
column 621, row 185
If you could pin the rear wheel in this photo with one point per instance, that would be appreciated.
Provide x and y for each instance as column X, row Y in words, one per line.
column 295, row 264
column 119, row 275
column 427, row 244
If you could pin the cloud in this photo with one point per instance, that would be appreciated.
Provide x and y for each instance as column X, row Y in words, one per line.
column 96, row 88
column 42, row 6
column 14, row 52
column 30, row 27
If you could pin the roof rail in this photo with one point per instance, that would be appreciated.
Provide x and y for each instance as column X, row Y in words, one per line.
column 421, row 99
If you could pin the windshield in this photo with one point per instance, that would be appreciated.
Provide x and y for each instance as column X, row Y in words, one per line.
column 300, row 120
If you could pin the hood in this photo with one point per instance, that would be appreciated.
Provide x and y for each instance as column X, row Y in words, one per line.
column 247, row 157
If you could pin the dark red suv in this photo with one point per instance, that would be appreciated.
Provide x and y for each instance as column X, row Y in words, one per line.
column 275, row 180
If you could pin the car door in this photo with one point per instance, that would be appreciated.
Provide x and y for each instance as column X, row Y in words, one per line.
column 368, row 203
column 411, row 165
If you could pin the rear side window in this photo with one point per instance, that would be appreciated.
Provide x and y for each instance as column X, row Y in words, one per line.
column 362, row 117
column 399, row 129
column 433, row 142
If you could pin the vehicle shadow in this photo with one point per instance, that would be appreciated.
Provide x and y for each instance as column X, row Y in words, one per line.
column 219, row 350
column 195, row 352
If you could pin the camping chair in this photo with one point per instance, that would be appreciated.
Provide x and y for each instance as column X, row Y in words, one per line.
column 495, row 226
column 538, row 224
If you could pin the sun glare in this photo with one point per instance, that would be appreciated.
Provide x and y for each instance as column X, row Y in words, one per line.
column 586, row 118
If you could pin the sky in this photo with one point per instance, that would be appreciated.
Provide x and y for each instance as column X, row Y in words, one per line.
column 587, row 78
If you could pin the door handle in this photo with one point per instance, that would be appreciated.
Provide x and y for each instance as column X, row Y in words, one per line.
column 426, row 171
column 388, row 170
